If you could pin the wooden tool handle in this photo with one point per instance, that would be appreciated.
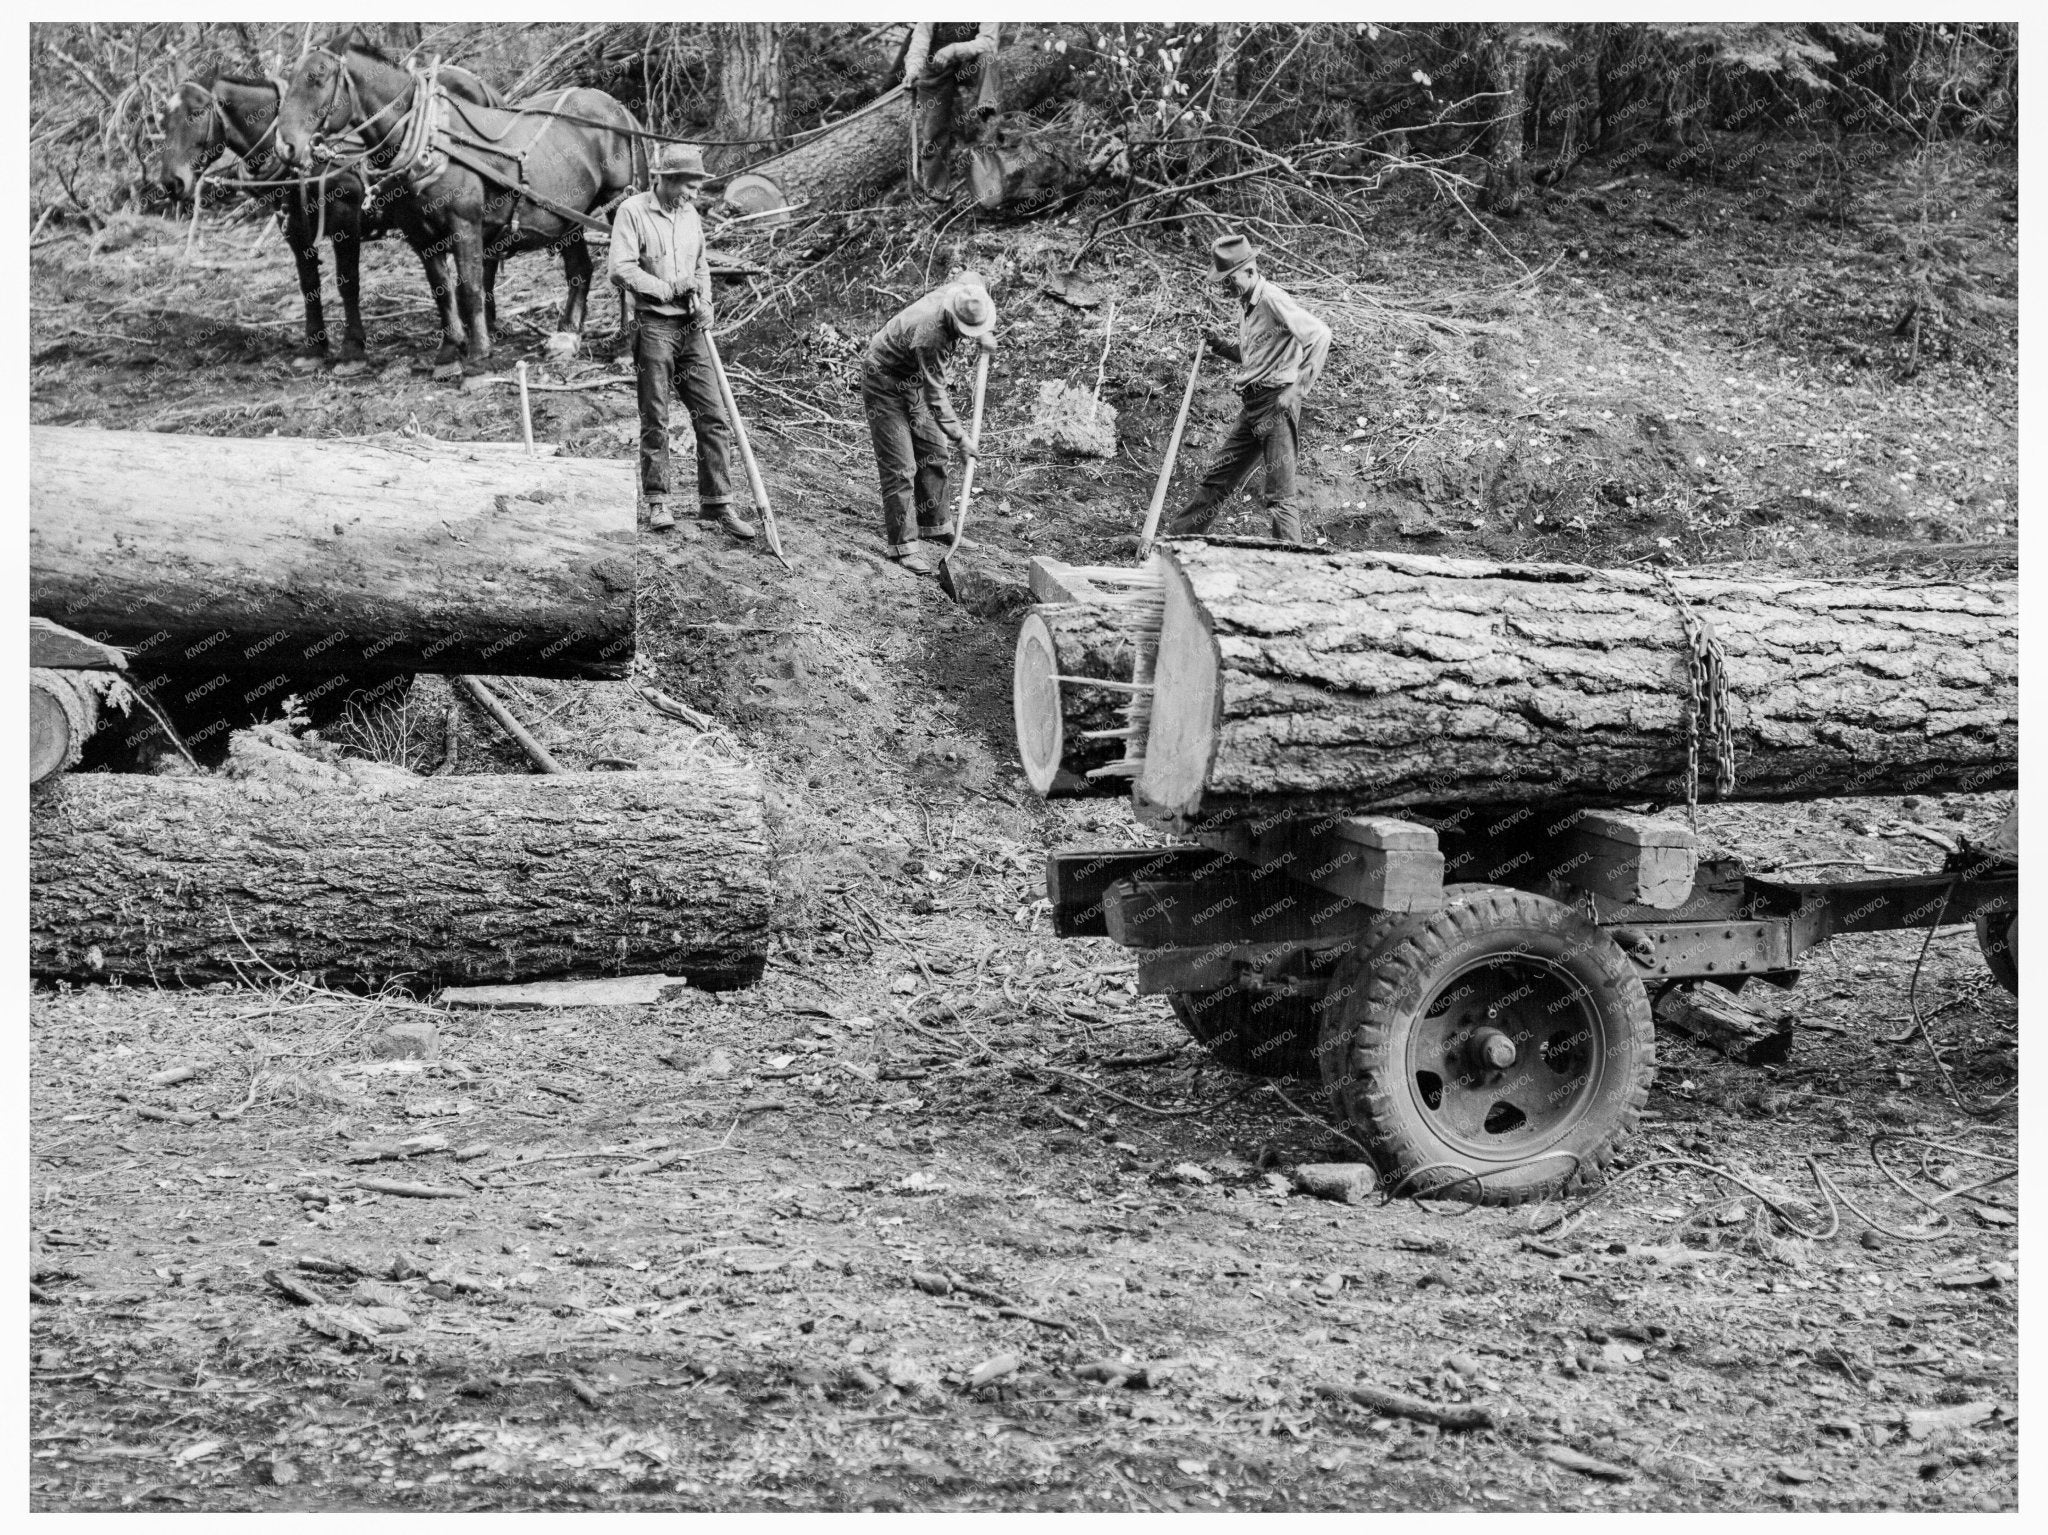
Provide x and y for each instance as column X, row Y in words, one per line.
column 739, row 432
column 967, row 475
column 1172, row 452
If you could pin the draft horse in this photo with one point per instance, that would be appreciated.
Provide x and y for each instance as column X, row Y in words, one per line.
column 488, row 182
column 238, row 115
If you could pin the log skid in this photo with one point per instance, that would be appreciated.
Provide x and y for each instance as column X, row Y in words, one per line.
column 272, row 554
column 363, row 874
column 1312, row 683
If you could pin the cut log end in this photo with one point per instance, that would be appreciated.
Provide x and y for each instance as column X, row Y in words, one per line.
column 1186, row 700
column 63, row 712
column 1035, row 698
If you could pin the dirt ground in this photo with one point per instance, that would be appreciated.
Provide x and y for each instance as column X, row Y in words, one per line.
column 906, row 1201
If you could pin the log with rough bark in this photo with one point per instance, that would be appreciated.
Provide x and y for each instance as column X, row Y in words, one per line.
column 867, row 152
column 359, row 873
column 276, row 555
column 1300, row 683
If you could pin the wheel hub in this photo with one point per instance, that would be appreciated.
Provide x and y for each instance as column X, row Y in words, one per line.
column 1492, row 1050
column 1506, row 1056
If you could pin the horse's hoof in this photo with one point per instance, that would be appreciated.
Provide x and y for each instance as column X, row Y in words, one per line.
column 443, row 371
column 561, row 345
column 353, row 367
column 308, row 363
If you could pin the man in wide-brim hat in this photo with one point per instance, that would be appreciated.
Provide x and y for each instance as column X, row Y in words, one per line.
column 903, row 391
column 658, row 255
column 1280, row 351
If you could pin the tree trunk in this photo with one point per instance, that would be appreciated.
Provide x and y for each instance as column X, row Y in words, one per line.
column 859, row 159
column 273, row 554
column 364, row 873
column 1054, row 717
column 750, row 90
column 1353, row 683
column 1504, row 61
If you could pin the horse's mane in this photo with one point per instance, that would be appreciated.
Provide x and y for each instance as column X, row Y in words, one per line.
column 353, row 40
column 222, row 77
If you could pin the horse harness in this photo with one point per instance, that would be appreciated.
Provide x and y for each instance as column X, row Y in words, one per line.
column 262, row 163
column 429, row 143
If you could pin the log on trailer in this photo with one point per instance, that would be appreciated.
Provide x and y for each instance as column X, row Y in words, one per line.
column 363, row 873
column 856, row 160
column 274, row 554
column 1300, row 683
column 1075, row 672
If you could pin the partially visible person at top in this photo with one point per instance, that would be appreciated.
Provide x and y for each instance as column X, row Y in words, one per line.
column 658, row 256
column 912, row 420
column 938, row 58
column 1280, row 351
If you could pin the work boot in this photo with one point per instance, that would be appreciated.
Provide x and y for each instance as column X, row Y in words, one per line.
column 659, row 519
column 936, row 530
column 911, row 558
column 724, row 517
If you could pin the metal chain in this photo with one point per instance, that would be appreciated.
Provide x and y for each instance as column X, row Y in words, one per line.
column 1706, row 674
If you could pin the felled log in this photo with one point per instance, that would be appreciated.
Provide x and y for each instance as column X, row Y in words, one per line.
column 1086, row 627
column 359, row 874
column 1298, row 683
column 859, row 158
column 273, row 555
column 63, row 712
column 1066, row 728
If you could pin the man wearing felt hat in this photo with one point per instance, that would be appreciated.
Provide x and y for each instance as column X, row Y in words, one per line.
column 658, row 257
column 1280, row 351
column 903, row 390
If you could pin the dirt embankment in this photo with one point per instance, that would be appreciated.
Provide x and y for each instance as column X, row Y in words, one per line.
column 926, row 1082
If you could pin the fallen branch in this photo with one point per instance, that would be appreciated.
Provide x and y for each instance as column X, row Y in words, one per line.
column 167, row 1116
column 1395, row 1404
column 560, row 1156
column 298, row 1294
column 1150, row 1058
column 409, row 1190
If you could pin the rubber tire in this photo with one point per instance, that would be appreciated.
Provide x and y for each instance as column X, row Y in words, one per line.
column 1277, row 1041
column 1996, row 942
column 1263, row 1035
column 1379, row 991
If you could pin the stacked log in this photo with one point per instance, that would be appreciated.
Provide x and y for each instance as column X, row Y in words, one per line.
column 355, row 874
column 1294, row 683
column 277, row 557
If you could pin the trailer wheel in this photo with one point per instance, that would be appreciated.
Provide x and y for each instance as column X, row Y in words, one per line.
column 1266, row 1035
column 1998, row 937
column 1262, row 1035
column 1498, row 1050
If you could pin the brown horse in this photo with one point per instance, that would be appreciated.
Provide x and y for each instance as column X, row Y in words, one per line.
column 489, row 182
column 237, row 115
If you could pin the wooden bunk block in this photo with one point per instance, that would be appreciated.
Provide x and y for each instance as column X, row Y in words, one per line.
column 1377, row 861
column 1637, row 859
column 1233, row 906
column 1075, row 883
